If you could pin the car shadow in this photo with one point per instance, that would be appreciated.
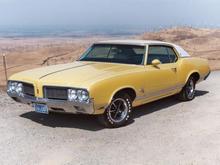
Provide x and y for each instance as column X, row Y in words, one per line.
column 54, row 120
column 160, row 104
column 90, row 123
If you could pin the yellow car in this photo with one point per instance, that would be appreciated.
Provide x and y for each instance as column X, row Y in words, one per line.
column 111, row 78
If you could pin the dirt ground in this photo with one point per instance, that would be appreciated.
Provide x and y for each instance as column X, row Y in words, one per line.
column 164, row 132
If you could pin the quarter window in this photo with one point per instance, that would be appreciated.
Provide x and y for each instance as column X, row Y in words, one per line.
column 172, row 54
column 163, row 53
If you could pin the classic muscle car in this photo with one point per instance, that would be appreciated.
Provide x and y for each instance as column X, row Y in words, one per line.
column 111, row 78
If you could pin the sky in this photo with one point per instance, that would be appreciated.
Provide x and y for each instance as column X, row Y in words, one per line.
column 110, row 13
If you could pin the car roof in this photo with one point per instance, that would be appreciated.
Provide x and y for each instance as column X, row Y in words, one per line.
column 179, row 49
column 134, row 42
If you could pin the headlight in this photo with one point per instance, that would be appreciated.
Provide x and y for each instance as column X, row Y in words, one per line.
column 85, row 95
column 15, row 87
column 72, row 95
column 11, row 86
column 19, row 88
column 80, row 95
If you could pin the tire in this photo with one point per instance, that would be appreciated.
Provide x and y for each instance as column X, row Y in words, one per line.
column 118, row 113
column 188, row 91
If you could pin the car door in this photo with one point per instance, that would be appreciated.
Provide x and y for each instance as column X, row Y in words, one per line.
column 160, row 80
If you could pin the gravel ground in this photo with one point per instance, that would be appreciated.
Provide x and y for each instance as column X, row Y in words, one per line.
column 163, row 132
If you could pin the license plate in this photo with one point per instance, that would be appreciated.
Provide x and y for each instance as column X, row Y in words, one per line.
column 41, row 108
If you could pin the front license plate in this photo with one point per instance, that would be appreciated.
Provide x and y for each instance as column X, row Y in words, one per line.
column 41, row 108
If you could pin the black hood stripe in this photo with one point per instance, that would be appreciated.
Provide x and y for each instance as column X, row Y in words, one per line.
column 64, row 70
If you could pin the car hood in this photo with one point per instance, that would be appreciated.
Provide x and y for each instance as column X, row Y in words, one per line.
column 76, row 74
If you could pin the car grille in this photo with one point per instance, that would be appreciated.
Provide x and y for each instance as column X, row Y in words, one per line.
column 28, row 89
column 58, row 93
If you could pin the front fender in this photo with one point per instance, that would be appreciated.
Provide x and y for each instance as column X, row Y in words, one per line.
column 103, row 91
column 119, row 89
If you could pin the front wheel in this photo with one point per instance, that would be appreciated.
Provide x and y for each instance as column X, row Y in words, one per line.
column 118, row 112
column 188, row 91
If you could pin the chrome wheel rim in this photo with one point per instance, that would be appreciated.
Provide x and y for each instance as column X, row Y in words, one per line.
column 118, row 110
column 190, row 89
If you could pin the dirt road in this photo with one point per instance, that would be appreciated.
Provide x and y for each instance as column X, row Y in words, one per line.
column 163, row 132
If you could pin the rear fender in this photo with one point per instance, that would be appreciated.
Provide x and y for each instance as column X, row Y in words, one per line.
column 190, row 73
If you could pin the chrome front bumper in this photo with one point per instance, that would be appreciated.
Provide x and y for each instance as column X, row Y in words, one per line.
column 56, row 105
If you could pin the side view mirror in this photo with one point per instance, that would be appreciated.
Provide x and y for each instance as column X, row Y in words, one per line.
column 155, row 62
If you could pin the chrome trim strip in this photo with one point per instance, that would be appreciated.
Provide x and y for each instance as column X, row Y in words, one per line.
column 160, row 92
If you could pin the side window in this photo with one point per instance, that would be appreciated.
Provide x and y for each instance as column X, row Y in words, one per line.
column 172, row 55
column 158, row 52
column 163, row 53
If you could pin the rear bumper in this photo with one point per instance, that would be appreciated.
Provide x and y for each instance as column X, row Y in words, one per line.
column 56, row 105
column 207, row 75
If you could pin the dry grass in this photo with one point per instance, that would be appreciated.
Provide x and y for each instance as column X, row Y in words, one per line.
column 30, row 53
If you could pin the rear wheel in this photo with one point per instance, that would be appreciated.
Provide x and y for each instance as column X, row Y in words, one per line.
column 188, row 91
column 118, row 112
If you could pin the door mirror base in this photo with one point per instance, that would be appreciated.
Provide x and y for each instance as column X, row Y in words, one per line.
column 155, row 62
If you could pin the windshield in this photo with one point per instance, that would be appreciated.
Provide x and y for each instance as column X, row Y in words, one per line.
column 126, row 54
